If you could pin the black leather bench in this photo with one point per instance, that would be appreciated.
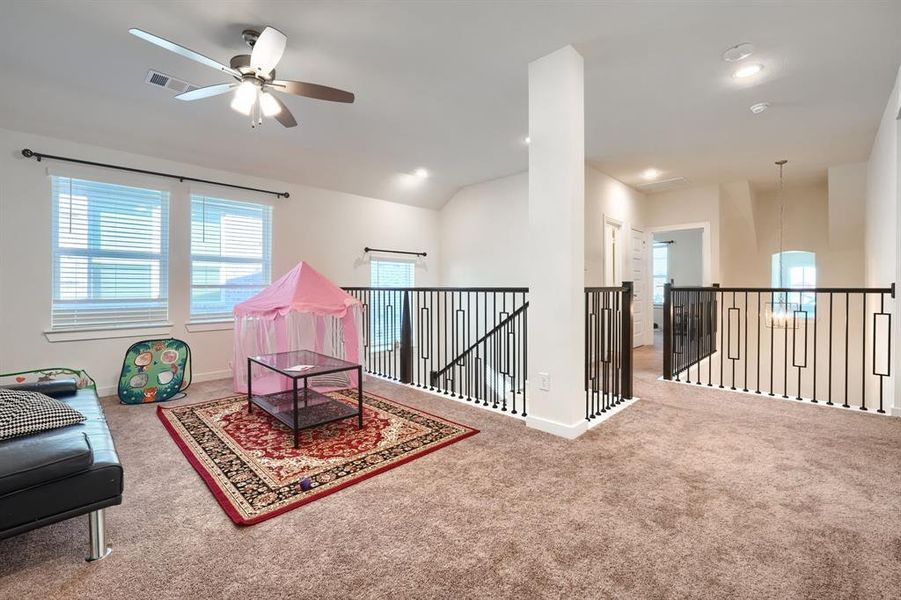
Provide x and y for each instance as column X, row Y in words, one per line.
column 62, row 473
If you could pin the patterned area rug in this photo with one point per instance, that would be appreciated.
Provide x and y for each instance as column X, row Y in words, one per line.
column 250, row 464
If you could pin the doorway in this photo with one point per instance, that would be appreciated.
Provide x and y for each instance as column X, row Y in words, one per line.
column 612, row 252
column 677, row 257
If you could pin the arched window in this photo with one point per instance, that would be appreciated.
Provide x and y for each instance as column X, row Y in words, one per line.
column 796, row 269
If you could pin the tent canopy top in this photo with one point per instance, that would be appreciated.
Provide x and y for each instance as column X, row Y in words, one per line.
column 302, row 289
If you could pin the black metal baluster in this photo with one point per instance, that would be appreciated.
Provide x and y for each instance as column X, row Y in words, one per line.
column 433, row 344
column 485, row 360
column 711, row 320
column 497, row 362
column 785, row 346
column 723, row 326
column 816, row 317
column 596, row 357
column 605, row 350
column 847, row 339
column 587, row 360
column 468, row 359
column 738, row 327
column 525, row 357
column 875, row 372
column 863, row 351
column 745, row 356
column 829, row 383
column 513, row 338
column 759, row 341
column 772, row 340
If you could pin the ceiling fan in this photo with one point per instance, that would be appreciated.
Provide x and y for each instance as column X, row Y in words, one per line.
column 254, row 75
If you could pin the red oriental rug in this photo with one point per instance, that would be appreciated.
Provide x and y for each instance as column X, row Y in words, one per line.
column 250, row 464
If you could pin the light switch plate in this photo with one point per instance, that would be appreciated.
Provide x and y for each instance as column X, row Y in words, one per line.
column 544, row 382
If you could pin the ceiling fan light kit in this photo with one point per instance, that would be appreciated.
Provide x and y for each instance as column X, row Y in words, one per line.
column 255, row 77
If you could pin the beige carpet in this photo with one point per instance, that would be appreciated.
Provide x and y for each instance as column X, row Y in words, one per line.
column 688, row 493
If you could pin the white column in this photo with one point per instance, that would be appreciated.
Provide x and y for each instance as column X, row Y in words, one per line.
column 556, row 244
column 896, row 317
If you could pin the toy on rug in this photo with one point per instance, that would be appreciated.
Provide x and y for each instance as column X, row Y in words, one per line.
column 154, row 371
column 306, row 484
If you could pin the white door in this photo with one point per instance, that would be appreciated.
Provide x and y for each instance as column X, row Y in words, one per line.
column 639, row 289
column 612, row 253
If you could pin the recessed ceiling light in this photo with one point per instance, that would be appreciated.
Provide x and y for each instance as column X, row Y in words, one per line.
column 747, row 71
column 420, row 173
column 759, row 107
column 738, row 52
column 650, row 174
column 527, row 140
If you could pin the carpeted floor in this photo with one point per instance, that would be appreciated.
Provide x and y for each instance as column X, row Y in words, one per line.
column 689, row 493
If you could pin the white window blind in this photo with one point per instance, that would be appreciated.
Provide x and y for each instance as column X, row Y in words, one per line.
column 385, row 328
column 110, row 246
column 661, row 270
column 230, row 254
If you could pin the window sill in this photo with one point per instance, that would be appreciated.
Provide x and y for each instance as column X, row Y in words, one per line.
column 198, row 326
column 107, row 333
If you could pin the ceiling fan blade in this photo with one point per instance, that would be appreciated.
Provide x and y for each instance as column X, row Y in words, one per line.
column 181, row 50
column 268, row 50
column 206, row 92
column 312, row 90
column 284, row 116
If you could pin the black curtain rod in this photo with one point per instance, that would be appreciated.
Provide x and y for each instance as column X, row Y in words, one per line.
column 368, row 249
column 38, row 156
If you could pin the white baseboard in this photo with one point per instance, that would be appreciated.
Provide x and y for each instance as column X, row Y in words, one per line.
column 889, row 412
column 569, row 432
column 438, row 394
column 112, row 390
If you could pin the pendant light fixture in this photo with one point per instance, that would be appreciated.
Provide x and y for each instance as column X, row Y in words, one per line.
column 779, row 311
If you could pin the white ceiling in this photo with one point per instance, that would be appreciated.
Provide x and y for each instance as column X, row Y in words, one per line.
column 443, row 85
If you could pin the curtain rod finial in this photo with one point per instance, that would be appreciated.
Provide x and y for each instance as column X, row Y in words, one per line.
column 27, row 153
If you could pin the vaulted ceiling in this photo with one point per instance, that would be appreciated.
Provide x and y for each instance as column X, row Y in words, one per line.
column 442, row 85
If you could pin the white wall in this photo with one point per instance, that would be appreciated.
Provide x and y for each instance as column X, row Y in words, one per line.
column 689, row 207
column 328, row 229
column 485, row 234
column 847, row 218
column 807, row 227
column 606, row 197
column 883, row 217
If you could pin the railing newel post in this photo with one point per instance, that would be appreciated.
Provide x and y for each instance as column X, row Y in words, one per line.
column 668, row 331
column 626, row 328
column 406, row 341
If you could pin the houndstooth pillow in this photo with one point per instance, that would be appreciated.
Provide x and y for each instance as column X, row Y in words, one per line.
column 22, row 413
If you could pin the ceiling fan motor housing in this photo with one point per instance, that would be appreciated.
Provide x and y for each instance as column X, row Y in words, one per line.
column 241, row 63
column 250, row 36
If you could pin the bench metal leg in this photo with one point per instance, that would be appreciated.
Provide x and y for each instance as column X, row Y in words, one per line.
column 97, row 534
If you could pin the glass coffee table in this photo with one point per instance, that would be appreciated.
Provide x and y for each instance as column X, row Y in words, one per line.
column 303, row 408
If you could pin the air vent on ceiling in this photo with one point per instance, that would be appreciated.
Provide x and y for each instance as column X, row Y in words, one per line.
column 663, row 185
column 162, row 80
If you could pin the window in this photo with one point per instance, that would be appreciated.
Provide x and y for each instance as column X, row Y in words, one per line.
column 230, row 254
column 661, row 270
column 110, row 247
column 798, row 271
column 384, row 331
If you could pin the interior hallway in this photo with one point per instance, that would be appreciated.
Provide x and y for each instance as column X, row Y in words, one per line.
column 690, row 492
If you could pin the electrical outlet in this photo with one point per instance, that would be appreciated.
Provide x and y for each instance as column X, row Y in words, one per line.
column 544, row 382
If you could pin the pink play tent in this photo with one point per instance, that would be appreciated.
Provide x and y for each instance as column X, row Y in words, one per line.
column 301, row 311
